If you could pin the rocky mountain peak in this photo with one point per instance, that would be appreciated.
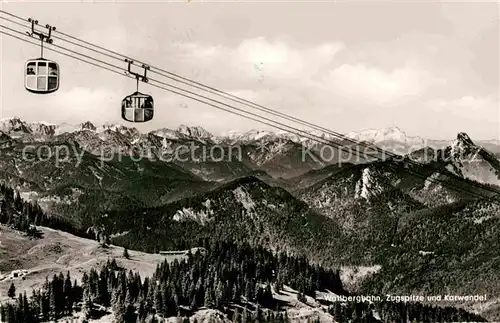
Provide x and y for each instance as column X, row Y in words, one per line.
column 88, row 126
column 462, row 146
column 195, row 132
column 464, row 139
column 14, row 124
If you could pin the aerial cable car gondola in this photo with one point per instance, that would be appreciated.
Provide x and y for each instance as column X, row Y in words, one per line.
column 138, row 107
column 41, row 75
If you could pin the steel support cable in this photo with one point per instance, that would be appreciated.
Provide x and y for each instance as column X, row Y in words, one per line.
column 27, row 25
column 226, row 95
column 425, row 177
column 221, row 93
column 161, row 87
column 197, row 85
column 303, row 133
column 334, row 144
column 202, row 86
column 268, row 122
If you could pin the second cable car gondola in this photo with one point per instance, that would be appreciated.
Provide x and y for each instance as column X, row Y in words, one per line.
column 138, row 107
column 41, row 75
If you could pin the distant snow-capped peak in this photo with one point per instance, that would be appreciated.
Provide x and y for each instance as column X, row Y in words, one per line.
column 183, row 131
column 249, row 136
column 15, row 124
column 388, row 138
column 300, row 137
column 17, row 128
column 9, row 125
column 195, row 132
column 166, row 133
column 393, row 134
column 88, row 126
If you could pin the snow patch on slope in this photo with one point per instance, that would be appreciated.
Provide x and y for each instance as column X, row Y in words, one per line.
column 430, row 182
column 189, row 214
column 95, row 173
column 244, row 198
column 29, row 195
column 367, row 187
column 480, row 171
column 482, row 212
column 352, row 276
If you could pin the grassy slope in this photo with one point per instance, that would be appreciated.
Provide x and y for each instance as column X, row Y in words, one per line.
column 59, row 252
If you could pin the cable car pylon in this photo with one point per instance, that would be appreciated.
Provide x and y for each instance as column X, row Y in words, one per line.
column 137, row 107
column 41, row 75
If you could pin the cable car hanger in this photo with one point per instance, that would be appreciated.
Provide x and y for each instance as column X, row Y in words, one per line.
column 43, row 37
column 1, row 32
column 137, row 107
column 138, row 76
column 41, row 76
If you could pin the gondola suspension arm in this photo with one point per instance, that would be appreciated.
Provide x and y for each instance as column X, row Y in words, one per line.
column 43, row 37
column 138, row 77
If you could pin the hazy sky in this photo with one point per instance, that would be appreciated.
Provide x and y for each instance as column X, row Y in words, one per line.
column 430, row 68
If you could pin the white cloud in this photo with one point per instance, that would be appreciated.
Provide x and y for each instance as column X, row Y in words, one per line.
column 342, row 88
column 276, row 59
column 378, row 86
column 478, row 116
column 470, row 107
column 262, row 63
column 327, row 84
column 260, row 57
column 80, row 103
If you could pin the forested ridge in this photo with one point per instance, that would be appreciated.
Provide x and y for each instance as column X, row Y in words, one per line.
column 238, row 280
column 24, row 215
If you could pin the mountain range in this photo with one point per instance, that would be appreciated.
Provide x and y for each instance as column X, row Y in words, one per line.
column 428, row 218
column 41, row 131
column 96, row 138
column 394, row 139
column 151, row 169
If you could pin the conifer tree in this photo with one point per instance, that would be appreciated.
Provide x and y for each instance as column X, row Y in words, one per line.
column 209, row 298
column 129, row 314
column 87, row 305
column 11, row 313
column 25, row 308
column 141, row 312
column 68, row 294
column 12, row 291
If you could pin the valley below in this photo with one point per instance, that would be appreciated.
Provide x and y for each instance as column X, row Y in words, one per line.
column 272, row 237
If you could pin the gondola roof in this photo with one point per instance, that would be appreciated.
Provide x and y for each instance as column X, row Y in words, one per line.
column 139, row 94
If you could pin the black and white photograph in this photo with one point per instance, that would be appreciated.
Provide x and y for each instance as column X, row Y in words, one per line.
column 249, row 161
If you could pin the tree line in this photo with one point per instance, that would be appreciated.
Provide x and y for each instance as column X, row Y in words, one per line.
column 228, row 274
column 238, row 280
column 25, row 215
